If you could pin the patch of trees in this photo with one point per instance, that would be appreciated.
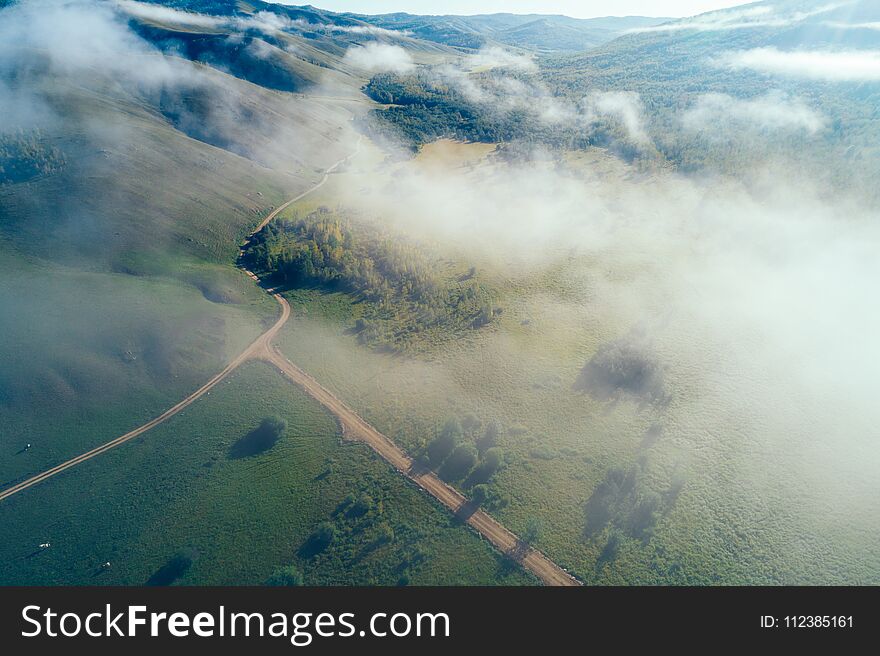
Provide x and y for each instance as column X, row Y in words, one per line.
column 361, row 535
column 406, row 291
column 626, row 505
column 424, row 108
column 623, row 366
column 466, row 451
column 26, row 155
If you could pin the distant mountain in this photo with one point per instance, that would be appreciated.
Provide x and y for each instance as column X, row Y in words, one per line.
column 543, row 33
column 781, row 23
column 676, row 51
column 801, row 51
column 537, row 32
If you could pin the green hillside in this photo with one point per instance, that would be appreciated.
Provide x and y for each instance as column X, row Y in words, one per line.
column 129, row 176
column 609, row 278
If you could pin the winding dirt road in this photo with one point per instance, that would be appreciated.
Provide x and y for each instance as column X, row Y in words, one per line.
column 353, row 428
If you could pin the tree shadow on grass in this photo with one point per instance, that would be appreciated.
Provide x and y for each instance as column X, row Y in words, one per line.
column 323, row 537
column 254, row 443
column 175, row 568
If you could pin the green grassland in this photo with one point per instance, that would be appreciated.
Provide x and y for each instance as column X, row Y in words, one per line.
column 121, row 221
column 88, row 356
column 184, row 489
column 118, row 282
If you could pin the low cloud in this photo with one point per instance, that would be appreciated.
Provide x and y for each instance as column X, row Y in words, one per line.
column 773, row 111
column 162, row 14
column 831, row 66
column 263, row 21
column 739, row 19
column 625, row 107
column 81, row 36
column 267, row 22
column 713, row 21
column 380, row 57
column 370, row 30
column 853, row 26
column 495, row 57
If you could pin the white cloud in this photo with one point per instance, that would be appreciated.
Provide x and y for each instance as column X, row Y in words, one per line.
column 82, row 35
column 835, row 66
column 854, row 26
column 267, row 22
column 772, row 111
column 264, row 21
column 371, row 30
column 378, row 57
column 495, row 57
column 738, row 19
column 162, row 14
column 622, row 106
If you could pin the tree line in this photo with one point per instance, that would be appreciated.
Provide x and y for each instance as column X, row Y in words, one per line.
column 405, row 289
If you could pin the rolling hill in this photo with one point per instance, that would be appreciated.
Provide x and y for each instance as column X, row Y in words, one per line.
column 540, row 33
column 143, row 141
column 139, row 149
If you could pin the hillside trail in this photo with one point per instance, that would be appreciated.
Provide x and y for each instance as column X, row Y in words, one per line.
column 352, row 425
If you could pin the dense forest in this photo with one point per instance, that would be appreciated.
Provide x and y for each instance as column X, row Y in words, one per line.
column 429, row 104
column 406, row 291
column 423, row 107
column 729, row 146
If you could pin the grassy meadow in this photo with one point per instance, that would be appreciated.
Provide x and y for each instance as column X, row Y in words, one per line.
column 195, row 487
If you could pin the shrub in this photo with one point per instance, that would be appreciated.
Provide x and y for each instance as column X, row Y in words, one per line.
column 322, row 537
column 385, row 534
column 273, row 427
column 442, row 446
column 623, row 366
column 491, row 462
column 533, row 531
column 175, row 568
column 262, row 438
column 361, row 506
column 470, row 423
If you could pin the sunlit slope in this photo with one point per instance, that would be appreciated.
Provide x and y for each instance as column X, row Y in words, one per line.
column 183, row 170
column 121, row 209
column 195, row 487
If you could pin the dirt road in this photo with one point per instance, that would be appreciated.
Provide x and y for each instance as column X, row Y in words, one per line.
column 307, row 192
column 353, row 428
column 256, row 349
